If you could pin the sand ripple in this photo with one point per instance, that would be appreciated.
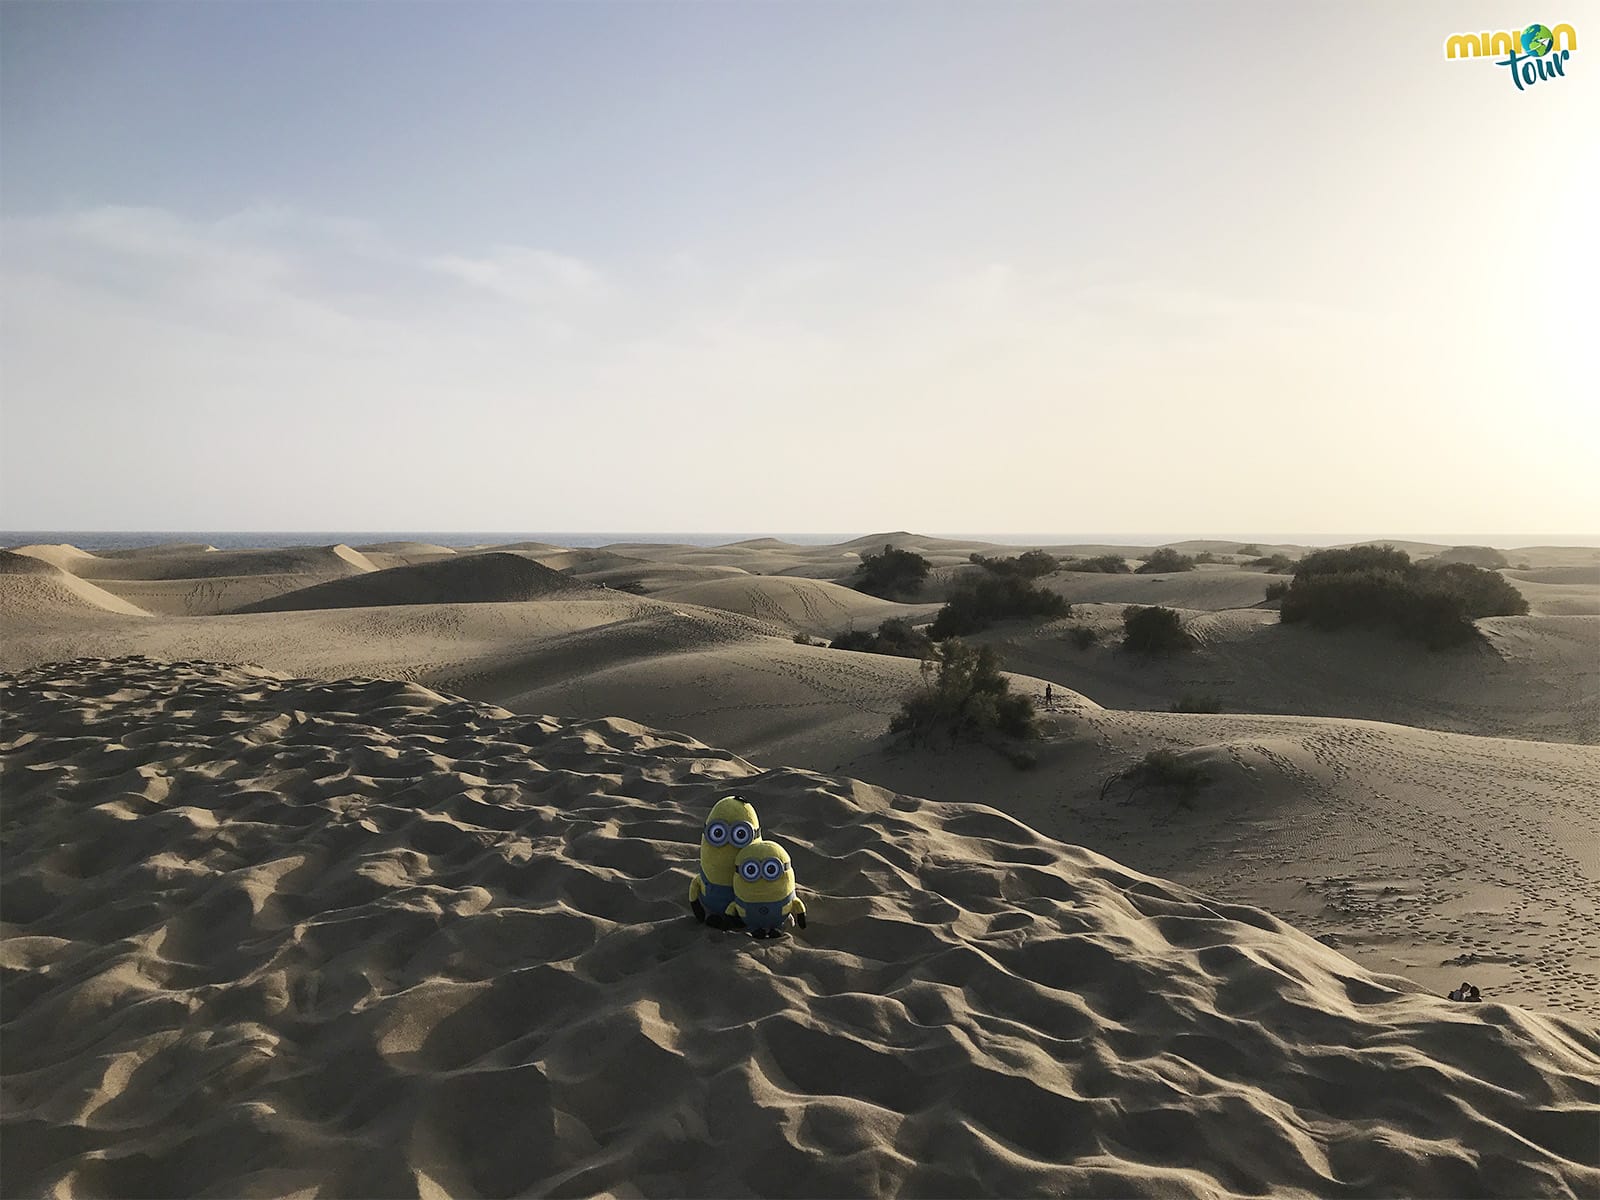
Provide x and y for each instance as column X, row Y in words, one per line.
column 267, row 935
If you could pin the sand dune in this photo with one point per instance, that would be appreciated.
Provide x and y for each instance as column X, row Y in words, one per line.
column 648, row 578
column 12, row 563
column 1533, row 676
column 739, row 680
column 462, row 579
column 191, row 562
column 407, row 549
column 361, row 939
column 41, row 599
column 67, row 558
column 802, row 605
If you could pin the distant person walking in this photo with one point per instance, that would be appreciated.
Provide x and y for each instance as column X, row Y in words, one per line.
column 1049, row 697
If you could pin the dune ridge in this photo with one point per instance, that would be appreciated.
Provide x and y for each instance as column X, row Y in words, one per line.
column 267, row 934
column 460, row 579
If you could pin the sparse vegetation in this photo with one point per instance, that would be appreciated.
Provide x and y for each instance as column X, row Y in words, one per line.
column 1380, row 587
column 1164, row 560
column 1248, row 548
column 1083, row 636
column 1104, row 564
column 964, row 697
column 1196, row 702
column 1153, row 630
column 1275, row 564
column 891, row 575
column 805, row 639
column 1477, row 556
column 1032, row 565
column 895, row 636
column 1159, row 769
column 1205, row 556
column 981, row 602
column 1276, row 589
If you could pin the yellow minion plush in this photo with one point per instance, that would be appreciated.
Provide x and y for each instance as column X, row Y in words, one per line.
column 731, row 827
column 764, row 890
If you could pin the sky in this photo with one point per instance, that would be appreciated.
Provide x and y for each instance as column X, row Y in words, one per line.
column 950, row 267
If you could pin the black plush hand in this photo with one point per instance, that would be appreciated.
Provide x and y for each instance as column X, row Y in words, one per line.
column 800, row 919
column 699, row 910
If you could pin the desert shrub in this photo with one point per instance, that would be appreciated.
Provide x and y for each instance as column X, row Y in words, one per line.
column 1522, row 566
column 1205, row 556
column 891, row 574
column 981, row 602
column 895, row 636
column 1248, row 548
column 1104, row 564
column 1380, row 587
column 1159, row 769
column 1276, row 589
column 1165, row 559
column 804, row 639
column 1031, row 565
column 1477, row 556
column 963, row 696
column 1196, row 702
column 1275, row 564
column 1153, row 630
column 1163, row 768
column 1356, row 558
column 1082, row 636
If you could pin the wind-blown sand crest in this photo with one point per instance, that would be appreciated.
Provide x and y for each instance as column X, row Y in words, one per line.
column 267, row 934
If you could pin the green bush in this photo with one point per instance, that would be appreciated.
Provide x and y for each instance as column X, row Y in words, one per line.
column 1380, row 587
column 1205, row 556
column 1356, row 558
column 981, row 602
column 1195, row 702
column 1165, row 559
column 1105, row 564
column 895, row 636
column 1276, row 589
column 1153, row 630
column 1478, row 556
column 891, row 575
column 1275, row 564
column 1031, row 565
column 963, row 696
column 1159, row 769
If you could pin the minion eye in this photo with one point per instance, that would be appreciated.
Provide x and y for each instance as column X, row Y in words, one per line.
column 772, row 868
column 750, row 870
column 717, row 833
column 742, row 834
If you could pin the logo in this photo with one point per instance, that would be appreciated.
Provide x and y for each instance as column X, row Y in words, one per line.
column 1536, row 53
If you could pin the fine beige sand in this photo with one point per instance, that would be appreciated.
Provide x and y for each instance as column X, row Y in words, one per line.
column 279, row 936
column 1430, row 815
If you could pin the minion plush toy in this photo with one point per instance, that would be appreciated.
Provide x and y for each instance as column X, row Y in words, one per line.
column 763, row 889
column 731, row 827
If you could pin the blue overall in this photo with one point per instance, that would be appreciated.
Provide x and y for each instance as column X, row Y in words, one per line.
column 717, row 896
column 765, row 914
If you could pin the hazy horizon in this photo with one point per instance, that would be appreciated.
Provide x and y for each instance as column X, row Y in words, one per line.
column 791, row 266
column 111, row 539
